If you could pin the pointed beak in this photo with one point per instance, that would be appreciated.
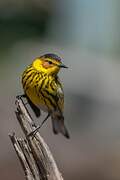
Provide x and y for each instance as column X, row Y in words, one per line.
column 62, row 66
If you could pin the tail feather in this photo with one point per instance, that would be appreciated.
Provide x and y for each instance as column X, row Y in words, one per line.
column 59, row 127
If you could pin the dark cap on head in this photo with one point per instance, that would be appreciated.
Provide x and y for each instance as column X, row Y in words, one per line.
column 52, row 56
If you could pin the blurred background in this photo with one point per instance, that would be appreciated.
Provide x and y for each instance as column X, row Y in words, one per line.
column 86, row 34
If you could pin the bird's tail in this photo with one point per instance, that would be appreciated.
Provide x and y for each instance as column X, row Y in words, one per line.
column 58, row 125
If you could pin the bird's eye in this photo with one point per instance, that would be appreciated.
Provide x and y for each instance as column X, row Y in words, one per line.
column 49, row 62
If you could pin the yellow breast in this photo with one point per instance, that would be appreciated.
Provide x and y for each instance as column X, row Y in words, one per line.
column 43, row 90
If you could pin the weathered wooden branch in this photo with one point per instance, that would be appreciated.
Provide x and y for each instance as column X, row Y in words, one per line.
column 34, row 154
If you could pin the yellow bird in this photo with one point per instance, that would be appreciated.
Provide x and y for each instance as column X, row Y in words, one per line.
column 44, row 91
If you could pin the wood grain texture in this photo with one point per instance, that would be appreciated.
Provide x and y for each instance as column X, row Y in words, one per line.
column 33, row 153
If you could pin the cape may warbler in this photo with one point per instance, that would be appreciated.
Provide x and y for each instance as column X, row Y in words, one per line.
column 44, row 91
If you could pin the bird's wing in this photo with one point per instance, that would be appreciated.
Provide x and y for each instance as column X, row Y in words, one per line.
column 58, row 94
column 57, row 115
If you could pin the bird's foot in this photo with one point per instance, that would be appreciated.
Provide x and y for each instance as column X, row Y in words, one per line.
column 33, row 133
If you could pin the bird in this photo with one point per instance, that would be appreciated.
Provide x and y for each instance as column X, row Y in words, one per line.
column 43, row 90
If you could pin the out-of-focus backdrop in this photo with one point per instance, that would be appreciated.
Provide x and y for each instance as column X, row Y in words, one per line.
column 86, row 34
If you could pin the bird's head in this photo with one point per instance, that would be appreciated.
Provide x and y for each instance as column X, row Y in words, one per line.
column 49, row 64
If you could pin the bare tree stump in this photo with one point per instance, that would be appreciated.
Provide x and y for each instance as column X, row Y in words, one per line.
column 34, row 154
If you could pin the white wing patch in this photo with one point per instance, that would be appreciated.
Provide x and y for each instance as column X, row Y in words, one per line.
column 60, row 91
column 59, row 95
